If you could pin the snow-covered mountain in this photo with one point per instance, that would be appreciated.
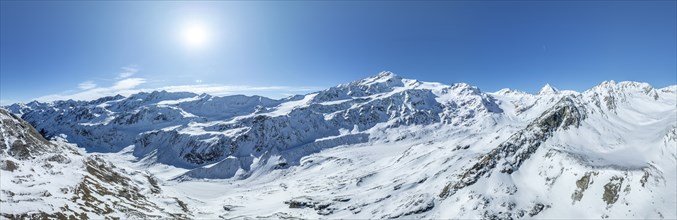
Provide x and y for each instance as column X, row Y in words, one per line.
column 381, row 147
column 43, row 179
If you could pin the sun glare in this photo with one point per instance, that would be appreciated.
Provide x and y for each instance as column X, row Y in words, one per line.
column 195, row 35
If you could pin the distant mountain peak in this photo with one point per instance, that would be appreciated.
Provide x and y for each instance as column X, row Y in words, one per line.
column 613, row 85
column 383, row 77
column 508, row 91
column 672, row 89
column 387, row 74
column 548, row 89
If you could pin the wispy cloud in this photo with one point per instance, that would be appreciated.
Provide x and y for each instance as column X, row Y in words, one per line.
column 124, row 87
column 128, row 83
column 87, row 85
column 221, row 90
column 4, row 102
column 129, row 86
column 128, row 71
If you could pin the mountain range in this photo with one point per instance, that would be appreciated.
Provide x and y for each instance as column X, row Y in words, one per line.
column 380, row 147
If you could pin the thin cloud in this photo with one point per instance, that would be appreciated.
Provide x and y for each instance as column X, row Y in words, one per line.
column 129, row 86
column 87, row 85
column 123, row 87
column 128, row 71
column 128, row 83
column 4, row 102
column 221, row 90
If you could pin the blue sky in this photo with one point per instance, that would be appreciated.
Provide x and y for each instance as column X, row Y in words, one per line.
column 52, row 50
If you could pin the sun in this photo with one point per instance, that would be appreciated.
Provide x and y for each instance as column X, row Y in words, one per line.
column 195, row 35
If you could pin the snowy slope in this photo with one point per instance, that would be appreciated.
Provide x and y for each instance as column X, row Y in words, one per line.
column 386, row 147
column 43, row 179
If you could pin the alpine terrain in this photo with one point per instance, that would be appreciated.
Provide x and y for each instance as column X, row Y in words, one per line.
column 380, row 147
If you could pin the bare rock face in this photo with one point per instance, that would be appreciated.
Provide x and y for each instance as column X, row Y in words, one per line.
column 19, row 139
column 521, row 145
column 582, row 185
column 612, row 190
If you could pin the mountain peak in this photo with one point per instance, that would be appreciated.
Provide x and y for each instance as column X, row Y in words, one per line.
column 387, row 74
column 382, row 77
column 623, row 85
column 548, row 89
column 508, row 91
